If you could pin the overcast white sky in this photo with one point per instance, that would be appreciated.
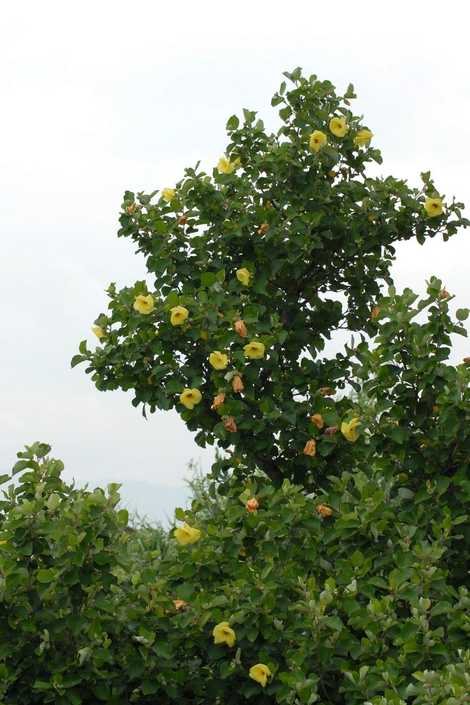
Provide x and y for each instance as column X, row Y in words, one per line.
column 102, row 96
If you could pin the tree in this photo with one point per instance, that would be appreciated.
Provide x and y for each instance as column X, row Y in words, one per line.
column 325, row 560
column 256, row 265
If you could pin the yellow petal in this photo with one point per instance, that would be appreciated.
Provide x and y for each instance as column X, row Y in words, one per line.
column 433, row 207
column 178, row 315
column 260, row 673
column 243, row 276
column 168, row 194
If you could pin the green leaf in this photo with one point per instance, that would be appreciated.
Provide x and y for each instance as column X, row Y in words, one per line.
column 123, row 517
column 46, row 575
column 23, row 464
column 76, row 360
column 208, row 278
column 232, row 123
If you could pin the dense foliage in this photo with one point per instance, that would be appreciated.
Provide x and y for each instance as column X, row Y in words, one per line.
column 347, row 597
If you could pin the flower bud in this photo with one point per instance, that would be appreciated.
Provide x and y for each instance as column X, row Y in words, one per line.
column 180, row 604
column 323, row 510
column 240, row 328
column 310, row 447
column 252, row 505
column 375, row 312
column 317, row 420
column 218, row 401
column 230, row 424
column 237, row 384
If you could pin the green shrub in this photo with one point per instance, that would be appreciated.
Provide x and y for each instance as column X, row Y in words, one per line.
column 68, row 628
column 359, row 606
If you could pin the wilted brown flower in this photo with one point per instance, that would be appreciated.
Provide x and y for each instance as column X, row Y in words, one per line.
column 326, row 391
column 252, row 505
column 218, row 401
column 323, row 510
column 240, row 328
column 230, row 424
column 263, row 229
column 310, row 447
column 317, row 420
column 237, row 384
column 180, row 604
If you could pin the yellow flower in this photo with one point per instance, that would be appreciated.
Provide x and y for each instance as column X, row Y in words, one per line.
column 178, row 315
column 168, row 194
column 224, row 634
column 144, row 304
column 98, row 331
column 254, row 350
column 260, row 673
column 349, row 429
column 218, row 360
column 190, row 397
column 338, row 126
column 243, row 276
column 225, row 166
column 433, row 207
column 318, row 140
column 363, row 138
column 187, row 534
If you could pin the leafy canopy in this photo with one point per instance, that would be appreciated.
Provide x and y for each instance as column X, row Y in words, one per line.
column 313, row 236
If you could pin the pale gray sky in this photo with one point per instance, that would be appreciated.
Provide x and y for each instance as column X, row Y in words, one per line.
column 102, row 96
